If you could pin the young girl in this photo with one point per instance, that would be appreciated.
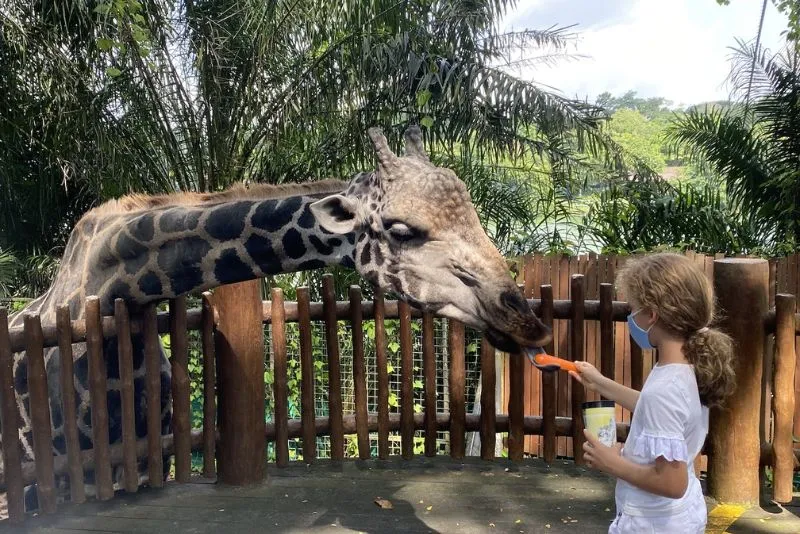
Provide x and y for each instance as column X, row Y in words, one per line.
column 672, row 307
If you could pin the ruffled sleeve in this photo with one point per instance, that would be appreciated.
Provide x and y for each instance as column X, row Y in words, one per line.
column 663, row 415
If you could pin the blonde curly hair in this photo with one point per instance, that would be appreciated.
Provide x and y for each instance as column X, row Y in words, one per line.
column 682, row 297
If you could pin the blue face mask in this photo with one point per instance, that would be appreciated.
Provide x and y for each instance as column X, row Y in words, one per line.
column 639, row 335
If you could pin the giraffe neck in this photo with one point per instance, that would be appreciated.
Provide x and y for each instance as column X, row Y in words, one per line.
column 167, row 252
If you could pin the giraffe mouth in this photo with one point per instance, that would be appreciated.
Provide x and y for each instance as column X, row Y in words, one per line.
column 505, row 343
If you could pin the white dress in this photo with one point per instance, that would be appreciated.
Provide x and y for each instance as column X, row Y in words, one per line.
column 668, row 421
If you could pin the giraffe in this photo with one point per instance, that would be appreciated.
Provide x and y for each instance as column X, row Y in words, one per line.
column 408, row 227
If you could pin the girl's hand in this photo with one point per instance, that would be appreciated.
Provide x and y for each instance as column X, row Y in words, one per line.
column 589, row 376
column 598, row 456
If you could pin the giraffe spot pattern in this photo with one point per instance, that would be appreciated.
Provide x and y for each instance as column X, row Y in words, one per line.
column 178, row 219
column 180, row 260
column 348, row 262
column 378, row 256
column 365, row 255
column 119, row 289
column 131, row 252
column 293, row 244
column 320, row 246
column 306, row 219
column 60, row 443
column 150, row 284
column 334, row 242
column 143, row 227
column 229, row 268
column 272, row 216
column 227, row 221
column 21, row 377
column 309, row 265
column 260, row 250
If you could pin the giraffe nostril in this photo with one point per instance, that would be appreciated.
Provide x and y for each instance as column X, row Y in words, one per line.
column 514, row 300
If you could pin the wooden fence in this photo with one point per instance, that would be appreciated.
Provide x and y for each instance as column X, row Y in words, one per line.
column 584, row 326
column 629, row 365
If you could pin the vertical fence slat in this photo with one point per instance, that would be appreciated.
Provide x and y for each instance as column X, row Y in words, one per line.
column 637, row 366
column 516, row 407
column 125, row 351
column 488, row 416
column 784, row 399
column 40, row 414
column 209, row 386
column 548, row 383
column 308, row 412
column 456, row 384
column 334, row 368
column 182, row 409
column 152, row 357
column 532, row 378
column 359, row 372
column 12, row 454
column 562, row 381
column 279, row 383
column 98, row 393
column 382, row 363
column 64, row 330
column 406, row 379
column 577, row 290
column 607, row 331
column 429, row 370
column 516, row 403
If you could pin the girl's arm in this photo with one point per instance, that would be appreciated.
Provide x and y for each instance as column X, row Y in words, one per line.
column 664, row 478
column 594, row 380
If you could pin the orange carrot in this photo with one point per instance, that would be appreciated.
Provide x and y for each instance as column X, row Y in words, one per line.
column 554, row 363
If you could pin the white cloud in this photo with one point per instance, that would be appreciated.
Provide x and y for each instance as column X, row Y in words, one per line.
column 677, row 49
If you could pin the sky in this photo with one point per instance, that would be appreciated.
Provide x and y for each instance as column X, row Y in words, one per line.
column 677, row 49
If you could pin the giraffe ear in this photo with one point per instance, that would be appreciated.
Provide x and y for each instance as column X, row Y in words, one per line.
column 336, row 213
column 414, row 146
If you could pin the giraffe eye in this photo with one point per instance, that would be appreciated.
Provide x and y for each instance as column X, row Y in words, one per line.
column 402, row 232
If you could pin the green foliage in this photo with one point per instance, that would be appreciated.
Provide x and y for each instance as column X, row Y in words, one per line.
column 636, row 216
column 754, row 148
column 151, row 96
column 640, row 136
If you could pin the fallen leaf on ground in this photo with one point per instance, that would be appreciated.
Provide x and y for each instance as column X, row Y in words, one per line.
column 429, row 508
column 384, row 503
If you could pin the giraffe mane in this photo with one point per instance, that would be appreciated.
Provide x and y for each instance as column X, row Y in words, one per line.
column 238, row 191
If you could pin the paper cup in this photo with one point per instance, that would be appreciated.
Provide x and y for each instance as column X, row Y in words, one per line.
column 599, row 419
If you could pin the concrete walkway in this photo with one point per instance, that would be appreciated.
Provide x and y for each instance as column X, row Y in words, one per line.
column 416, row 496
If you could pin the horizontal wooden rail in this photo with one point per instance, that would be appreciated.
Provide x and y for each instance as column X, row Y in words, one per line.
column 61, row 465
column 532, row 425
column 562, row 309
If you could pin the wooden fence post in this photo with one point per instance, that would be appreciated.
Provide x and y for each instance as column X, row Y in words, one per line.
column 239, row 344
column 784, row 400
column 741, row 287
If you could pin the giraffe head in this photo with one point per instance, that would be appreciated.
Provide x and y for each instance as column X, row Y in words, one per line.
column 418, row 235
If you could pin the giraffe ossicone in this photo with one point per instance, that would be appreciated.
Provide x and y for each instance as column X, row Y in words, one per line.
column 408, row 227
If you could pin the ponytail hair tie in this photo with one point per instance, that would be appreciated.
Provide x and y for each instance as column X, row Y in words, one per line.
column 703, row 330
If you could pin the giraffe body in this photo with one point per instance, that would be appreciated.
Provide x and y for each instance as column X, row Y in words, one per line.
column 409, row 227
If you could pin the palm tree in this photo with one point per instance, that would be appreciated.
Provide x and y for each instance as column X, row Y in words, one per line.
column 755, row 147
column 154, row 95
